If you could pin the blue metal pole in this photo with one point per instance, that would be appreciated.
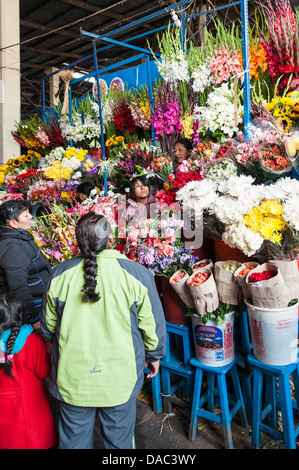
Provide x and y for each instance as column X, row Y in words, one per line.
column 245, row 59
column 150, row 90
column 95, row 60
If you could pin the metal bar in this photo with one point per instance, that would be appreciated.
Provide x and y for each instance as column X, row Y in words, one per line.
column 96, row 37
column 110, row 67
column 213, row 9
column 95, row 60
column 149, row 17
column 245, row 60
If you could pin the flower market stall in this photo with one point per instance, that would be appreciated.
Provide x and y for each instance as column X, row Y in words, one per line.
column 239, row 187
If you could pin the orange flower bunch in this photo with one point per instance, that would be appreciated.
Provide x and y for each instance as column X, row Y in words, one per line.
column 33, row 143
column 258, row 60
column 159, row 162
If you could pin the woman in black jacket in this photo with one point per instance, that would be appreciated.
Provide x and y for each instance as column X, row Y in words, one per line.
column 23, row 269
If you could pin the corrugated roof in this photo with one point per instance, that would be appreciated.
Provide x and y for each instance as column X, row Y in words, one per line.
column 50, row 34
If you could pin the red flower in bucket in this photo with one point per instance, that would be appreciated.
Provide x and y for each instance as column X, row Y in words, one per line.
column 256, row 277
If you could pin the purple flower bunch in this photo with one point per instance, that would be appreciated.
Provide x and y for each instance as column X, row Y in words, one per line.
column 163, row 265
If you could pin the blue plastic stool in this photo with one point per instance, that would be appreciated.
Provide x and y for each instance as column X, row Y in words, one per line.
column 176, row 377
column 244, row 347
column 209, row 398
column 186, row 351
column 156, row 390
column 274, row 402
column 175, row 366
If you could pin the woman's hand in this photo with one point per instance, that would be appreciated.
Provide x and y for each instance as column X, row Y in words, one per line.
column 153, row 368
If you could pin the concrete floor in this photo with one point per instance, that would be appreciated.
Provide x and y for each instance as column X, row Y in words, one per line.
column 162, row 431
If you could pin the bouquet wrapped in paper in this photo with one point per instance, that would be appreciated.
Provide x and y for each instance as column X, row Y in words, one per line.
column 204, row 263
column 179, row 283
column 241, row 274
column 202, row 287
column 228, row 290
column 267, row 287
column 290, row 274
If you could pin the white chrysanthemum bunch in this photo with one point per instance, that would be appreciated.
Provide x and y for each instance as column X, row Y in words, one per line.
column 237, row 235
column 198, row 196
column 72, row 163
column 218, row 114
column 291, row 212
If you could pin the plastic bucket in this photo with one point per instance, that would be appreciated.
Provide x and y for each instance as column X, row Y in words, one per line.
column 214, row 345
column 274, row 334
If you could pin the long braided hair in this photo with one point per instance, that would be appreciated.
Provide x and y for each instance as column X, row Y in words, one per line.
column 92, row 233
column 11, row 317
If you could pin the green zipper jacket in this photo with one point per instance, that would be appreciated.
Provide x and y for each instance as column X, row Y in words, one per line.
column 99, row 349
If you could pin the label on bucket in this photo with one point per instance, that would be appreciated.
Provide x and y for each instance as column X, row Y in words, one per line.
column 213, row 343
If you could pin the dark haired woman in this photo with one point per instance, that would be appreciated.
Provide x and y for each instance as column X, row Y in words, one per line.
column 83, row 190
column 23, row 269
column 105, row 319
column 139, row 203
column 182, row 151
column 26, row 420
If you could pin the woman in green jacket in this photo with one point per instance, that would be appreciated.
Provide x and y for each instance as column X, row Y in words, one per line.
column 104, row 316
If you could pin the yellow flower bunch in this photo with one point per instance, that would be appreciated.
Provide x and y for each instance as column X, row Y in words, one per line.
column 285, row 109
column 57, row 171
column 114, row 140
column 266, row 219
column 187, row 122
column 88, row 164
column 145, row 108
column 33, row 154
column 78, row 153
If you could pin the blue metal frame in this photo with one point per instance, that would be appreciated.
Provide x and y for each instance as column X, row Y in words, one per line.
column 145, row 53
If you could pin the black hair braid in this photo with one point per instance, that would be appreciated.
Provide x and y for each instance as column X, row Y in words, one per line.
column 10, row 344
column 90, row 272
column 92, row 232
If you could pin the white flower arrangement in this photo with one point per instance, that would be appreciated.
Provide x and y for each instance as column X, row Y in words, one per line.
column 174, row 68
column 202, row 78
column 198, row 196
column 218, row 114
column 87, row 133
column 56, row 154
column 237, row 235
column 222, row 171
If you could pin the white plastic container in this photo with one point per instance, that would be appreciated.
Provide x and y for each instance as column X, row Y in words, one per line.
column 214, row 345
column 274, row 334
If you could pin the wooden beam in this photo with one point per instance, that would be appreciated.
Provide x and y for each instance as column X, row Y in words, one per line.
column 51, row 52
column 30, row 24
column 33, row 66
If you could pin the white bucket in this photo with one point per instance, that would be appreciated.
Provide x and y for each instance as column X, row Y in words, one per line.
column 274, row 334
column 214, row 345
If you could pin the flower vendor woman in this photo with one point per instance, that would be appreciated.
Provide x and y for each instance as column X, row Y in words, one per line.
column 139, row 203
column 23, row 269
column 182, row 151
column 84, row 190
column 104, row 317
